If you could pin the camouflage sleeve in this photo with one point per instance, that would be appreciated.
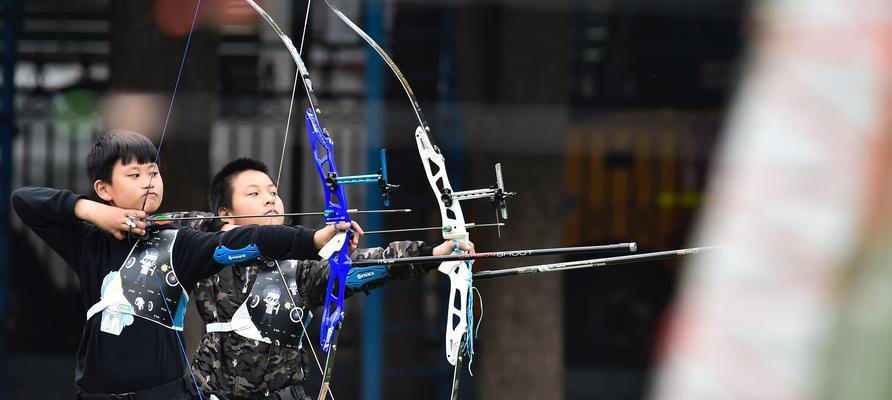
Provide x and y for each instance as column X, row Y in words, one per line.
column 313, row 275
column 205, row 225
column 399, row 250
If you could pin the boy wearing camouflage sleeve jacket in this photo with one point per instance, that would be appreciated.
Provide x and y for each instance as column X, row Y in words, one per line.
column 242, row 368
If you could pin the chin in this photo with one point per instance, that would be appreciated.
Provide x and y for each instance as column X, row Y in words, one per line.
column 151, row 207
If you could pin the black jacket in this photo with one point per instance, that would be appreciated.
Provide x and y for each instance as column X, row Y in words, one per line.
column 145, row 354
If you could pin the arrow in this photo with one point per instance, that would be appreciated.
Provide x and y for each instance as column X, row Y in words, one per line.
column 609, row 248
column 593, row 263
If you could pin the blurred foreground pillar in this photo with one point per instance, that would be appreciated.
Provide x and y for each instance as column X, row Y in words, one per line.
column 801, row 198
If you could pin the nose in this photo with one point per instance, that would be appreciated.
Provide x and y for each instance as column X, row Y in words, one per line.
column 150, row 182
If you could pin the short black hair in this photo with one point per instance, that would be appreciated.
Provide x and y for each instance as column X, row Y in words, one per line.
column 220, row 194
column 118, row 144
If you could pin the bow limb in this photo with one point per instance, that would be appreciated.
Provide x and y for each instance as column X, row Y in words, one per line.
column 336, row 210
column 295, row 55
column 453, row 223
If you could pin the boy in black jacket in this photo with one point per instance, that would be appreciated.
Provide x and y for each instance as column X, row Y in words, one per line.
column 144, row 359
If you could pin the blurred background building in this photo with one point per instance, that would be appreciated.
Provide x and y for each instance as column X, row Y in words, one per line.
column 604, row 114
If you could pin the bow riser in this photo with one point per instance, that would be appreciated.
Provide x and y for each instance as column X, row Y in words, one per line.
column 459, row 272
column 323, row 155
column 335, row 212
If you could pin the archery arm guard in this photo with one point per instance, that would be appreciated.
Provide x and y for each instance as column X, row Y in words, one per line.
column 367, row 278
column 227, row 256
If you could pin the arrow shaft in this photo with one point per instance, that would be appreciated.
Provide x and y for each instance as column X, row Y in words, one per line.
column 432, row 228
column 610, row 248
column 303, row 214
column 592, row 263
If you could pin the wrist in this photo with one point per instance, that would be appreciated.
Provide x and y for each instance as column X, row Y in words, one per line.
column 443, row 249
column 322, row 236
column 85, row 209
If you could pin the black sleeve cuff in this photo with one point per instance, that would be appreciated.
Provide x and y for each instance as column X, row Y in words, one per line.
column 304, row 246
column 426, row 250
column 70, row 199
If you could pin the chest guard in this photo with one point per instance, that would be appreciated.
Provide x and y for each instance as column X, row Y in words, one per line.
column 145, row 286
column 273, row 312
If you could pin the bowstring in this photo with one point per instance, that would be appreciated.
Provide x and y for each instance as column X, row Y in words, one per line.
column 293, row 93
column 306, row 331
column 173, row 97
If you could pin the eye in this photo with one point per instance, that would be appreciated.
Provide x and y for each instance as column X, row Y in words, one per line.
column 275, row 194
column 253, row 194
column 133, row 176
column 154, row 173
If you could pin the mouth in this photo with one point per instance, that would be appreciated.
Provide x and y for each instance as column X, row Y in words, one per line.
column 153, row 194
column 270, row 212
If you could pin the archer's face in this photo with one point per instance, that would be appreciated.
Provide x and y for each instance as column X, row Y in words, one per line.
column 133, row 184
column 253, row 193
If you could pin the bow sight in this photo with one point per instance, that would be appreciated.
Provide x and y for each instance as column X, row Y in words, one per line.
column 332, row 179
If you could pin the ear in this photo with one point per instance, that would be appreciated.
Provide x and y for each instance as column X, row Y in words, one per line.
column 224, row 212
column 103, row 190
